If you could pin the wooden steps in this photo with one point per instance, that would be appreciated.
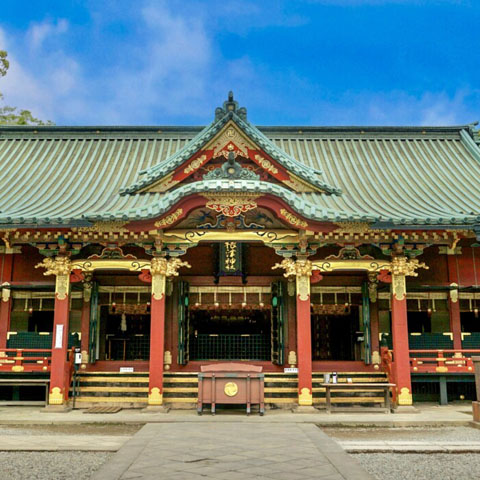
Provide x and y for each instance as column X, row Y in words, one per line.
column 113, row 389
column 130, row 390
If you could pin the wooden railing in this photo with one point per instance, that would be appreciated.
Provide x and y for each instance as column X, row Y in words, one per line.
column 25, row 360
column 442, row 361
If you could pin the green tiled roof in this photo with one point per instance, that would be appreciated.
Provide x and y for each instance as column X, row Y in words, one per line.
column 400, row 176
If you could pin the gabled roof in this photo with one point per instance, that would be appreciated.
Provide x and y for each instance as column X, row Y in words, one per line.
column 399, row 176
column 230, row 112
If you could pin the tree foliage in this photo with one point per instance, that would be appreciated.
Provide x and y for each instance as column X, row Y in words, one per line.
column 12, row 115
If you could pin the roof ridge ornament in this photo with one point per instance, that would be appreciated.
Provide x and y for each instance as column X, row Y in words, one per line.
column 231, row 170
column 230, row 106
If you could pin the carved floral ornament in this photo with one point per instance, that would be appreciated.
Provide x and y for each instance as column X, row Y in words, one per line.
column 232, row 205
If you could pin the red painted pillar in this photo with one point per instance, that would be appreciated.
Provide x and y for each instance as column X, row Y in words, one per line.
column 157, row 338
column 304, row 334
column 59, row 375
column 453, row 303
column 6, row 300
column 401, row 355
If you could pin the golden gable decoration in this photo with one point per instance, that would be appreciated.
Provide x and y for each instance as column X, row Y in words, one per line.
column 292, row 219
column 232, row 205
column 169, row 219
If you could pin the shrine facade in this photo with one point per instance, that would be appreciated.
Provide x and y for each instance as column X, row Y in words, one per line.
column 349, row 251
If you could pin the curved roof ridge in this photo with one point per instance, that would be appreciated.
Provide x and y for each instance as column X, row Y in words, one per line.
column 301, row 206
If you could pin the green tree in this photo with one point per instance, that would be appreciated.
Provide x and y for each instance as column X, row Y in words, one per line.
column 12, row 115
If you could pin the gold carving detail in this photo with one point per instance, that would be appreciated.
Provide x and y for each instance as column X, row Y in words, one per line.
column 292, row 219
column 195, row 164
column 232, row 205
column 454, row 292
column 292, row 358
column 160, row 269
column 61, row 268
column 295, row 268
column 155, row 397
column 302, row 270
column 405, row 397
column 400, row 268
column 230, row 389
column 162, row 185
column 6, row 293
column 55, row 397
column 376, row 357
column 352, row 227
column 104, row 227
column 298, row 185
column 230, row 134
column 167, row 359
column 266, row 164
column 6, row 238
column 169, row 219
column 305, row 397
column 168, row 268
column 18, row 368
column 230, row 256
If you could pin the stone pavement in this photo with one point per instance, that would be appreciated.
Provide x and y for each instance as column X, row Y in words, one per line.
column 402, row 446
column 56, row 443
column 231, row 451
column 429, row 415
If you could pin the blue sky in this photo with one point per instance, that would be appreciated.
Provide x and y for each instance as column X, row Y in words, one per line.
column 317, row 62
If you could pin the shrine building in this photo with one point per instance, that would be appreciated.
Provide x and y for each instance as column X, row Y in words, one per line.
column 349, row 251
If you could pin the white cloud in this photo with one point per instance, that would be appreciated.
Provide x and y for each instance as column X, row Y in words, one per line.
column 42, row 89
column 39, row 32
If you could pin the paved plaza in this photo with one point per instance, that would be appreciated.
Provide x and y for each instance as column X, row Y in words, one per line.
column 281, row 445
column 231, row 451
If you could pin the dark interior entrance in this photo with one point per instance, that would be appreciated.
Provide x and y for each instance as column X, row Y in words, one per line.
column 124, row 336
column 230, row 334
column 334, row 336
